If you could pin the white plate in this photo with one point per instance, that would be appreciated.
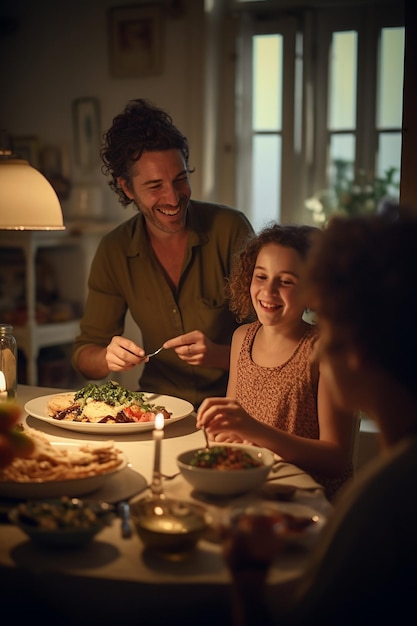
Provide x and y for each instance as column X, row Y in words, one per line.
column 56, row 488
column 178, row 407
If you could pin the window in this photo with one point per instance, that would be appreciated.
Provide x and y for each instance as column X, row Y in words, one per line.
column 265, row 128
column 364, row 87
column 342, row 101
column 266, row 124
column 319, row 97
column 389, row 97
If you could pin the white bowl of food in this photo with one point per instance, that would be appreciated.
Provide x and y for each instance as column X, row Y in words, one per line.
column 225, row 469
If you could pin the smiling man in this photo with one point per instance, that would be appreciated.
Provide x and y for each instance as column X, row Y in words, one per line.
column 167, row 265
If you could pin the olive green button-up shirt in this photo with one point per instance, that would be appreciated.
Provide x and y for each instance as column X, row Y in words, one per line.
column 125, row 274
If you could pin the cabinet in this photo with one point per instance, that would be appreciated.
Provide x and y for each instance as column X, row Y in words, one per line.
column 68, row 255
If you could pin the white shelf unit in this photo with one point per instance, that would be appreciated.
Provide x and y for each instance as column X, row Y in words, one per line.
column 73, row 250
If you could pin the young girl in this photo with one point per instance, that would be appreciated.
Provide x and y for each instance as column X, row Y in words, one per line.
column 275, row 396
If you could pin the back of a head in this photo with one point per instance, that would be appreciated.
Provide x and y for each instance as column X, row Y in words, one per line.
column 363, row 276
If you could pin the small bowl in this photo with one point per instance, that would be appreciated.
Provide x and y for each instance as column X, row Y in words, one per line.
column 226, row 482
column 168, row 527
column 61, row 523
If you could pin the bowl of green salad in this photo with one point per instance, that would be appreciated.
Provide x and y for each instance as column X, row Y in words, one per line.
column 225, row 469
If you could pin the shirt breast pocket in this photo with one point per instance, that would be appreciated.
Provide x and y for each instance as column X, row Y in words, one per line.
column 215, row 319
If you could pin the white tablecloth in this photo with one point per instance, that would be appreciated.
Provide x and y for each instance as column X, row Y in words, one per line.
column 111, row 559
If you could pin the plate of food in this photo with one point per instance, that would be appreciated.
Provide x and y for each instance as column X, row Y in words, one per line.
column 293, row 523
column 107, row 409
column 60, row 468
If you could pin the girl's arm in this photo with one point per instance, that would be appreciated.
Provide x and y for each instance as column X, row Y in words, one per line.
column 237, row 340
column 329, row 454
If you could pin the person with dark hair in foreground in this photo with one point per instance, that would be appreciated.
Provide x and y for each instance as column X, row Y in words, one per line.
column 362, row 279
column 167, row 265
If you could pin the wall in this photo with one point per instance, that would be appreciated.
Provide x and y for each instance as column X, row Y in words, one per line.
column 52, row 53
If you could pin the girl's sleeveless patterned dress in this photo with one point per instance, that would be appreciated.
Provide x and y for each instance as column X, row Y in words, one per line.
column 284, row 396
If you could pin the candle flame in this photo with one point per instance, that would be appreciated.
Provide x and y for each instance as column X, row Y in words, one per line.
column 158, row 510
column 2, row 382
column 159, row 421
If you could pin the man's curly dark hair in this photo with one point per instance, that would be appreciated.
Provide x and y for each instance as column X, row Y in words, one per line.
column 298, row 237
column 141, row 127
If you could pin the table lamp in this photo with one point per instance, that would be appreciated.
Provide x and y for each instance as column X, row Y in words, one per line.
column 27, row 202
column 27, row 199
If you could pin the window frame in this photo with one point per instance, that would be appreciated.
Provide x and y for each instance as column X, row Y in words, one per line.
column 368, row 22
column 305, row 136
column 287, row 27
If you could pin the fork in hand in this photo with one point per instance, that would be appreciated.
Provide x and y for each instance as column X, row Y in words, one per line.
column 148, row 356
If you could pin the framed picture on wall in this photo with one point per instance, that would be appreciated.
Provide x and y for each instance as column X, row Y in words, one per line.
column 86, row 122
column 135, row 41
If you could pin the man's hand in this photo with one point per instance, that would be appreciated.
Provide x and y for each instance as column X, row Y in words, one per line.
column 196, row 349
column 123, row 354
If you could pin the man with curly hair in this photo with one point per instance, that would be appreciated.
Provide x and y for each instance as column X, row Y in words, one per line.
column 167, row 265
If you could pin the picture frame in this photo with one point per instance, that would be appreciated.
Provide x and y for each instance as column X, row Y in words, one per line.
column 27, row 148
column 135, row 41
column 86, row 122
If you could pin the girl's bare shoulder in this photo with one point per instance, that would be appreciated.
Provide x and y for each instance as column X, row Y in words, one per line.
column 240, row 333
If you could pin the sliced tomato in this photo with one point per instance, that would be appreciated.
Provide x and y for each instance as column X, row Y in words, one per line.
column 134, row 411
column 139, row 415
column 147, row 417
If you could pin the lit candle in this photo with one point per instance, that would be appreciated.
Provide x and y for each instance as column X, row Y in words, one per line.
column 3, row 390
column 158, row 435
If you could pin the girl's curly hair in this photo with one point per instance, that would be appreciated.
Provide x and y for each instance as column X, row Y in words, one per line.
column 298, row 237
column 141, row 127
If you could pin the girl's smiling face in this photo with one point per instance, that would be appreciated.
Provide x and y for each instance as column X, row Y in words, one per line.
column 275, row 287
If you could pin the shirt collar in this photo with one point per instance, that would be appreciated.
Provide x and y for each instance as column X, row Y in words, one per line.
column 139, row 242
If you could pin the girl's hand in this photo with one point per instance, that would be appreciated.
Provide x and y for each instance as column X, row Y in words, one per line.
column 225, row 420
column 228, row 437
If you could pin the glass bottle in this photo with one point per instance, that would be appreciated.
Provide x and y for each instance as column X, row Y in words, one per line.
column 8, row 363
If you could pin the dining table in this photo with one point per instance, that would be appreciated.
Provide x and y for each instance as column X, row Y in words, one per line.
column 114, row 578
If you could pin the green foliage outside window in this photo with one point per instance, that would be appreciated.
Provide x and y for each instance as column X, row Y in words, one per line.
column 351, row 196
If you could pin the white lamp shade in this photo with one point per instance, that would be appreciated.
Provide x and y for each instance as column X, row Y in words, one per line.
column 27, row 199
